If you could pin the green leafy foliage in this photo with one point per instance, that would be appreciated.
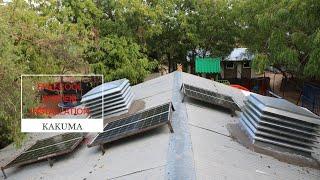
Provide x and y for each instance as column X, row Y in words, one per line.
column 33, row 41
column 56, row 37
column 119, row 57
column 130, row 38
column 285, row 33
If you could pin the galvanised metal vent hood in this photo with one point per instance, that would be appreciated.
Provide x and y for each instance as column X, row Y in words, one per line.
column 116, row 97
column 281, row 123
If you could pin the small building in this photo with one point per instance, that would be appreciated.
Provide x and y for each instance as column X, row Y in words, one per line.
column 237, row 65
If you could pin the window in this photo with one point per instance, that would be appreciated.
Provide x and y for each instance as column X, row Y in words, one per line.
column 229, row 65
column 246, row 64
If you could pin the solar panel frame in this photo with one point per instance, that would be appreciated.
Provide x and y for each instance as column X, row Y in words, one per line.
column 210, row 97
column 16, row 162
column 138, row 118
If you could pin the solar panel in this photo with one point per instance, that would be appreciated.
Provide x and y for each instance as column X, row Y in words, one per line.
column 210, row 97
column 136, row 123
column 47, row 148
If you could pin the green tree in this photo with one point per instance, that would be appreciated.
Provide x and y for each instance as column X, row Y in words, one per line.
column 55, row 37
column 32, row 41
column 190, row 25
column 117, row 57
column 284, row 34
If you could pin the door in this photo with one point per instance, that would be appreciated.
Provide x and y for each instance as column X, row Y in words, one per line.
column 239, row 68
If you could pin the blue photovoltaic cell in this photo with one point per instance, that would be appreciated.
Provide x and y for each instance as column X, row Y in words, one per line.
column 48, row 147
column 133, row 124
column 210, row 97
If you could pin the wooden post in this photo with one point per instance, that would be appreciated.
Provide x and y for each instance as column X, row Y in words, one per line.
column 179, row 67
column 50, row 162
column 299, row 98
column 102, row 149
column 170, row 127
column 4, row 174
column 233, row 112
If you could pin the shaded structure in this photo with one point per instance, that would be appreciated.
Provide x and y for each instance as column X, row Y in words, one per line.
column 237, row 64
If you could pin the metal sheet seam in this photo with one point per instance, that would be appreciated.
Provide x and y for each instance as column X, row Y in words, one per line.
column 180, row 161
column 161, row 92
column 136, row 172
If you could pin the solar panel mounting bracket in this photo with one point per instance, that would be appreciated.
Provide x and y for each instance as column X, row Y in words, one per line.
column 103, row 150
column 182, row 86
column 183, row 98
column 172, row 107
column 170, row 127
column 4, row 174
column 47, row 157
column 170, row 118
column 233, row 113
column 50, row 161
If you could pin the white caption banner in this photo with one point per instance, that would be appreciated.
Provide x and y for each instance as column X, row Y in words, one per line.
column 62, row 125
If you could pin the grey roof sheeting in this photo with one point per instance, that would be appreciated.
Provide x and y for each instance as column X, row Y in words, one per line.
column 180, row 151
column 214, row 153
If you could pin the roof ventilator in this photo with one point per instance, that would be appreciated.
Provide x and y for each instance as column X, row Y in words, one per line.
column 109, row 99
column 280, row 123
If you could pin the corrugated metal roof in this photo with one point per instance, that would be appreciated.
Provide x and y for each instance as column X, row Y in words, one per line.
column 215, row 153
column 208, row 65
column 240, row 54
